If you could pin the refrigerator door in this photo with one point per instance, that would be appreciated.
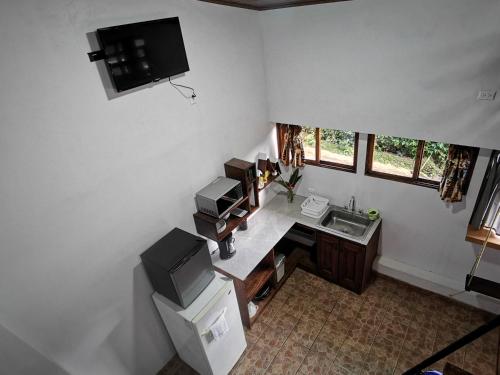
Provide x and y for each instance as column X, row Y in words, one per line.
column 222, row 353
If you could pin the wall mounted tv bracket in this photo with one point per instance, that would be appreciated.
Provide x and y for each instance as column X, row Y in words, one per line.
column 96, row 55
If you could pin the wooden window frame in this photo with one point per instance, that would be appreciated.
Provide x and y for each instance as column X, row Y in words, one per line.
column 329, row 164
column 415, row 179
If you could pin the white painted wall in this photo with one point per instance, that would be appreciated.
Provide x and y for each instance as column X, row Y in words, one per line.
column 88, row 184
column 396, row 67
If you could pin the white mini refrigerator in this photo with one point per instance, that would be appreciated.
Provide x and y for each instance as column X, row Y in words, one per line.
column 208, row 335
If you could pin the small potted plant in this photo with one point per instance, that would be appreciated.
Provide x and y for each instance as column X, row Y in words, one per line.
column 290, row 185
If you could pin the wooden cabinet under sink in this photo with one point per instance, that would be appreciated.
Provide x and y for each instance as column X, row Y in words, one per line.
column 346, row 263
column 328, row 256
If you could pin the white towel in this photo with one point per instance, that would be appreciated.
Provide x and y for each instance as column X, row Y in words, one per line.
column 220, row 327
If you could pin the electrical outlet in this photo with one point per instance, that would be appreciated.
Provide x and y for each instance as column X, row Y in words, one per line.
column 486, row 95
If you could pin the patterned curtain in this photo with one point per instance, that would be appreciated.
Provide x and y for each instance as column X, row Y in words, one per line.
column 488, row 201
column 454, row 181
column 290, row 143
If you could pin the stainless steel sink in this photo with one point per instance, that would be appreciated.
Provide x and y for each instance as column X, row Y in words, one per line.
column 342, row 221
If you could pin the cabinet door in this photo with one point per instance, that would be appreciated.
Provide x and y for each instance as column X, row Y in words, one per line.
column 351, row 260
column 328, row 256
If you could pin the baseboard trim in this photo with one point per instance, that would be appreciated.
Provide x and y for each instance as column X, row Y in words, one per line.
column 434, row 283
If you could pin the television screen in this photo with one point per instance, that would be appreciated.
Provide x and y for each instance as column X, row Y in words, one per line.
column 140, row 53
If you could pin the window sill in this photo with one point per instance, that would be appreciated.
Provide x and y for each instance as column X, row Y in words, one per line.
column 339, row 167
column 406, row 180
column 479, row 235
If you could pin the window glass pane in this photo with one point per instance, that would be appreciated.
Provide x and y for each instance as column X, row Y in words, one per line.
column 394, row 155
column 309, row 137
column 337, row 146
column 434, row 160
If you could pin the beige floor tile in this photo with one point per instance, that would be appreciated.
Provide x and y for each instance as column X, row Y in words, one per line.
column 443, row 339
column 306, row 331
column 345, row 311
column 321, row 285
column 315, row 327
column 393, row 329
column 272, row 309
column 338, row 326
column 256, row 360
column 252, row 335
column 336, row 369
column 314, row 311
column 295, row 305
column 407, row 359
column 386, row 349
column 328, row 345
column 289, row 358
column 478, row 362
column 274, row 336
column 350, row 362
column 380, row 362
column 281, row 296
column 325, row 300
column 419, row 339
column 371, row 315
column 315, row 364
column 363, row 334
column 284, row 321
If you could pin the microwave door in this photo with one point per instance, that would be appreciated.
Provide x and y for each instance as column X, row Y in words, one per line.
column 191, row 276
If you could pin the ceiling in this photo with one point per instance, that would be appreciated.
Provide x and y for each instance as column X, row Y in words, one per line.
column 269, row 4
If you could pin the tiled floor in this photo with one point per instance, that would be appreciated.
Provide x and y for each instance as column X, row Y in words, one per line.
column 315, row 327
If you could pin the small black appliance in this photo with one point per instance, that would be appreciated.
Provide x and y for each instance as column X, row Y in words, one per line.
column 226, row 247
column 179, row 266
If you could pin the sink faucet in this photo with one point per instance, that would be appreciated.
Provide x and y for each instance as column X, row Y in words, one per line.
column 352, row 204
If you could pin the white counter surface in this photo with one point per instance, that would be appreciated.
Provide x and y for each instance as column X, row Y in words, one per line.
column 265, row 228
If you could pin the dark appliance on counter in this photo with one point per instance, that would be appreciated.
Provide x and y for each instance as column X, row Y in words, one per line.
column 140, row 53
column 226, row 247
column 179, row 266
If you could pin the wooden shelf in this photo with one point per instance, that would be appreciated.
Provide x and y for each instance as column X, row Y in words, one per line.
column 262, row 305
column 479, row 235
column 256, row 280
column 205, row 224
column 270, row 179
column 246, row 173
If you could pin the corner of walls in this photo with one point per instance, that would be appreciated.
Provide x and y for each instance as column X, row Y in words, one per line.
column 18, row 357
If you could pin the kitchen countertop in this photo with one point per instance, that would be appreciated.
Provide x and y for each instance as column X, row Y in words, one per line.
column 265, row 228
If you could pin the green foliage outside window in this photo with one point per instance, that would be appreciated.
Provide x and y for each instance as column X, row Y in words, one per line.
column 401, row 152
column 338, row 140
column 408, row 147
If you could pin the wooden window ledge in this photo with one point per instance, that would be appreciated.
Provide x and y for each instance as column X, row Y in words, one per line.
column 478, row 236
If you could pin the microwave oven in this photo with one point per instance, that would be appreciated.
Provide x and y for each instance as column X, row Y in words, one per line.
column 179, row 266
column 219, row 197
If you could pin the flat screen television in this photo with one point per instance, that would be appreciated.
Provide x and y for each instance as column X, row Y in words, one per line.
column 140, row 53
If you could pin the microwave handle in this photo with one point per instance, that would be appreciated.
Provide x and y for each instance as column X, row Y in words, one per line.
column 184, row 260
